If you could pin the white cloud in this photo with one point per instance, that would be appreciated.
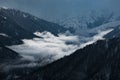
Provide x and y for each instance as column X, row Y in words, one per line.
column 97, row 37
column 50, row 47
column 47, row 45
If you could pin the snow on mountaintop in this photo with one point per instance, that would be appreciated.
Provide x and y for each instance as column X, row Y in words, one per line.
column 5, row 35
column 4, row 7
column 24, row 15
column 82, row 23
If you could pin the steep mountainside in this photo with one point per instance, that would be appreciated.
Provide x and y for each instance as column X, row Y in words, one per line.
column 31, row 23
column 19, row 25
column 9, row 40
column 90, row 20
column 114, row 33
column 99, row 61
column 7, row 54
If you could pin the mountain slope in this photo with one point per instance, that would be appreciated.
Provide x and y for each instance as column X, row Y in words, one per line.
column 11, row 28
column 114, row 33
column 7, row 54
column 19, row 25
column 99, row 61
column 91, row 20
column 32, row 23
column 6, row 40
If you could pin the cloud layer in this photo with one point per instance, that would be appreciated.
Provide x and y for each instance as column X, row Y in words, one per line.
column 47, row 45
column 50, row 46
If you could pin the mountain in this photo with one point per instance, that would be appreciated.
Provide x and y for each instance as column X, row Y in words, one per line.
column 20, row 25
column 98, row 61
column 9, row 27
column 81, row 23
column 6, row 40
column 27, row 21
column 6, row 54
column 114, row 33
column 15, row 26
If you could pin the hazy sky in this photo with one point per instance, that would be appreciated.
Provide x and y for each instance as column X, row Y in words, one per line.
column 58, row 8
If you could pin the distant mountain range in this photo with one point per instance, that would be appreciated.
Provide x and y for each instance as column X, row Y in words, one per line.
column 88, row 21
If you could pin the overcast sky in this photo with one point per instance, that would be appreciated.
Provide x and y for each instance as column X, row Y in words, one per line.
column 49, row 9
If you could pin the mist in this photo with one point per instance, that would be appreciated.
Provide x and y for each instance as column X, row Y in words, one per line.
column 56, row 9
column 53, row 46
column 47, row 46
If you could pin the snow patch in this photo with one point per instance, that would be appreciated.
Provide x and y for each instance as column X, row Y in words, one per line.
column 4, row 7
column 24, row 15
column 5, row 17
column 5, row 35
column 35, row 18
